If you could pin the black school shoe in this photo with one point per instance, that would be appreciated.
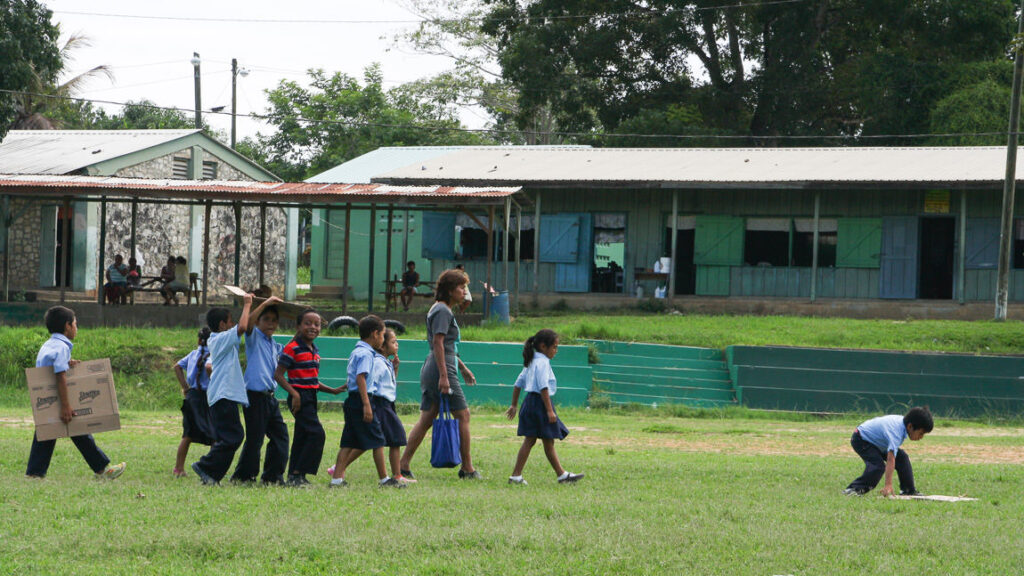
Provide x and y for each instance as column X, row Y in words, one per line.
column 297, row 481
column 205, row 478
column 854, row 492
column 408, row 475
column 571, row 478
column 463, row 475
column 910, row 493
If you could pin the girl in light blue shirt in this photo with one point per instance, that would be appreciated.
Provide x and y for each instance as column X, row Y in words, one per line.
column 537, row 417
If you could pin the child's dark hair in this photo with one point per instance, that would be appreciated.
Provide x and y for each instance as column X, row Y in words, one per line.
column 447, row 282
column 410, row 263
column 266, row 310
column 57, row 319
column 920, row 418
column 204, row 335
column 214, row 316
column 542, row 337
column 368, row 325
column 298, row 319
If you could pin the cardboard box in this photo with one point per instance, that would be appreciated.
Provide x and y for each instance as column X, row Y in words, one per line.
column 90, row 392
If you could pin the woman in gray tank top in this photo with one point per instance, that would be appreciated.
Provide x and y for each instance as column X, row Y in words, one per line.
column 439, row 374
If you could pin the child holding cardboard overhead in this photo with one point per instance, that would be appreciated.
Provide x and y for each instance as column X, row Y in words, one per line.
column 56, row 352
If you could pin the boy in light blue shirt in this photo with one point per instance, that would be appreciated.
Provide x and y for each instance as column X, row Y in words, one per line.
column 226, row 392
column 362, row 430
column 877, row 442
column 263, row 414
column 56, row 352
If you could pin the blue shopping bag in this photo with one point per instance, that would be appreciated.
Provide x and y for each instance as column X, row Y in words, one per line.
column 444, row 448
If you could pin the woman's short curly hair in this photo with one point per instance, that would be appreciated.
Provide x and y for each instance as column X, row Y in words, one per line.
column 448, row 281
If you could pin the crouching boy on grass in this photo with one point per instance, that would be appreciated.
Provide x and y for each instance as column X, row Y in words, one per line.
column 56, row 352
column 878, row 441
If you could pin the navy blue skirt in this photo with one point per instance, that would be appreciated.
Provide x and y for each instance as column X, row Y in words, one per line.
column 533, row 420
column 390, row 423
column 357, row 433
column 195, row 417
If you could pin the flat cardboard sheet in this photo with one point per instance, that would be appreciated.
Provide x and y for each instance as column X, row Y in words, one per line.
column 285, row 309
column 90, row 392
column 936, row 497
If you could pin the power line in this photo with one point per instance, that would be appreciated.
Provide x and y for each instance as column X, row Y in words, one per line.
column 648, row 14
column 494, row 131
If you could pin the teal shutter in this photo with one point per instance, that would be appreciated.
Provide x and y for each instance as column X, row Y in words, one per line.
column 560, row 239
column 858, row 243
column 439, row 235
column 718, row 241
column 982, row 243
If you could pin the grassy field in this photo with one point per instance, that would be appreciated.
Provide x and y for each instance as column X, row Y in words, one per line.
column 662, row 496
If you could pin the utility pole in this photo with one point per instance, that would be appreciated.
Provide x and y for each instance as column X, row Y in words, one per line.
column 234, row 78
column 1010, row 182
column 199, row 105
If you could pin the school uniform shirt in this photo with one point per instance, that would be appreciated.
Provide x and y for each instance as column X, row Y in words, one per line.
column 886, row 433
column 384, row 377
column 537, row 376
column 261, row 355
column 360, row 361
column 194, row 366
column 227, row 381
column 55, row 352
column 302, row 362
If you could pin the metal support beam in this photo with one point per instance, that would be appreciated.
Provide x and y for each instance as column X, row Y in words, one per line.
column 962, row 249
column 405, row 240
column 131, row 234
column 490, row 261
column 504, row 244
column 536, row 245
column 519, row 254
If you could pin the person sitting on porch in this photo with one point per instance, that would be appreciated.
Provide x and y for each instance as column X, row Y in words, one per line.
column 410, row 280
column 117, row 282
column 178, row 279
column 134, row 275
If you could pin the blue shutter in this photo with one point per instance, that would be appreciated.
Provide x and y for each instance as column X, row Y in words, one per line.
column 575, row 276
column 560, row 239
column 898, row 275
column 982, row 243
column 438, row 233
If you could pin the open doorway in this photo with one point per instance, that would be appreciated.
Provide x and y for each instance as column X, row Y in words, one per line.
column 609, row 253
column 937, row 245
column 686, row 271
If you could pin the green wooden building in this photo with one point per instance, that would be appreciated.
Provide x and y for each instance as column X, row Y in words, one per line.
column 807, row 223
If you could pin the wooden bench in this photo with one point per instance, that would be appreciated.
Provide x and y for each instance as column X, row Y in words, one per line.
column 155, row 284
column 393, row 290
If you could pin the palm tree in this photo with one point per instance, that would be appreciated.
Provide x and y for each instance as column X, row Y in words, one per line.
column 45, row 96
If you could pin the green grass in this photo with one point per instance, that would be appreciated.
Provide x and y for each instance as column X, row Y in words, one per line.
column 662, row 495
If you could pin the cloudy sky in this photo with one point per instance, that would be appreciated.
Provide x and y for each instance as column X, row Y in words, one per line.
column 149, row 44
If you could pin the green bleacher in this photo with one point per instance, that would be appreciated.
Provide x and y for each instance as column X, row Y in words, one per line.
column 824, row 380
column 495, row 365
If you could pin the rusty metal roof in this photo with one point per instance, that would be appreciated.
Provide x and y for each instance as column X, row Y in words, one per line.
column 960, row 167
column 94, row 187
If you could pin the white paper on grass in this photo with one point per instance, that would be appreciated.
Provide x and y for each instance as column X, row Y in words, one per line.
column 936, row 497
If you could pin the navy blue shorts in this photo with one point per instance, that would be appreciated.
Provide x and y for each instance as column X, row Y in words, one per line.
column 390, row 423
column 195, row 417
column 356, row 433
column 533, row 420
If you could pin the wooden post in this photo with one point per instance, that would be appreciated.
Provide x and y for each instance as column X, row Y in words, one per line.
column 519, row 247
column 344, row 267
column 536, row 246
column 65, row 238
column 103, row 246
column 131, row 238
column 962, row 256
column 671, row 288
column 263, row 241
column 373, row 245
column 490, row 259
column 504, row 244
column 8, row 221
column 387, row 267
column 238, row 242
column 1010, row 180
column 206, row 248
column 814, row 246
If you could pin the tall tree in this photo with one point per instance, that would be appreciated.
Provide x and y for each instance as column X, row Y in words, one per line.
column 338, row 118
column 813, row 67
column 28, row 52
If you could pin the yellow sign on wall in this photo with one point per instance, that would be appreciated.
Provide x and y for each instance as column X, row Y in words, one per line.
column 936, row 202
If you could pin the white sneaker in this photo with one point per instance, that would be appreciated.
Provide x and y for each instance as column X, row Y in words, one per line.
column 522, row 481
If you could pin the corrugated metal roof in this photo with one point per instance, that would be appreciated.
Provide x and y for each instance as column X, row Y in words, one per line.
column 67, row 151
column 361, row 169
column 702, row 167
column 93, row 187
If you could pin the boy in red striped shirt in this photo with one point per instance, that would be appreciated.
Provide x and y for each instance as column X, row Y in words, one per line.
column 300, row 359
